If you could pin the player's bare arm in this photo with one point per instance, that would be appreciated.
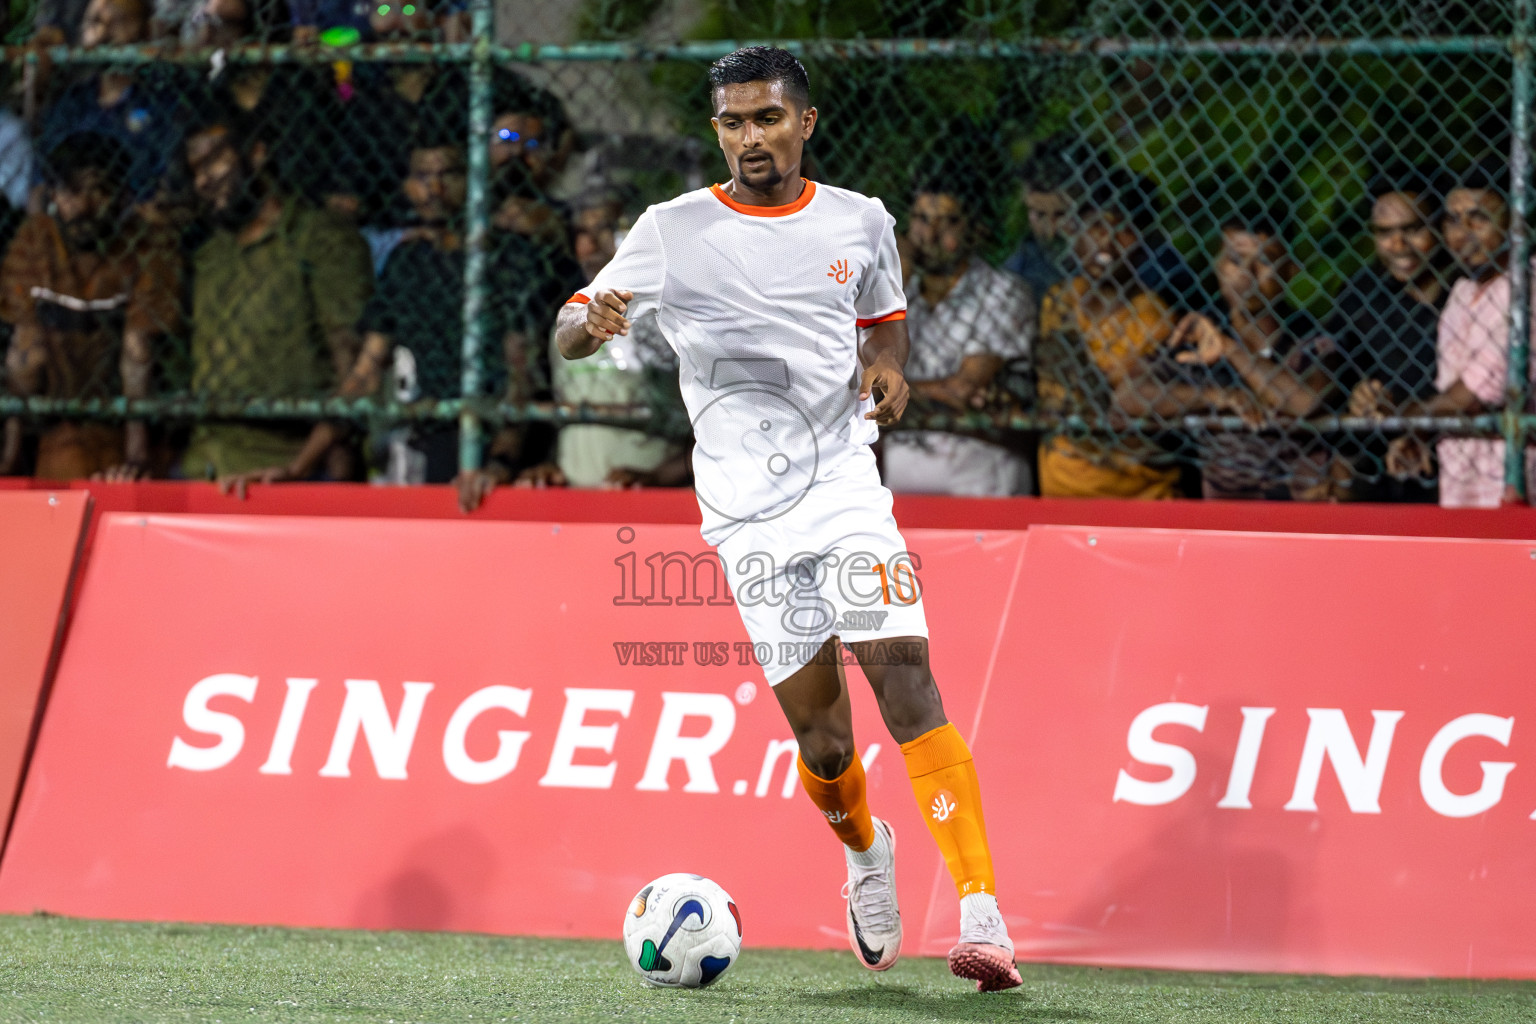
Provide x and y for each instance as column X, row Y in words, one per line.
column 582, row 327
column 884, row 355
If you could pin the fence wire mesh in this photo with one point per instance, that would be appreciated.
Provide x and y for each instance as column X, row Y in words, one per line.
column 1213, row 248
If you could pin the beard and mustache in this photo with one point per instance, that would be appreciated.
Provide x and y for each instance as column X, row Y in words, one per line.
column 87, row 234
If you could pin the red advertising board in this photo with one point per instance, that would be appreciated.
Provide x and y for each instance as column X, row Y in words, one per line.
column 1199, row 750
column 1257, row 752
column 470, row 726
column 39, row 542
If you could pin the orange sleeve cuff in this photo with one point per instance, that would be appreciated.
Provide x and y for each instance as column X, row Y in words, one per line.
column 578, row 297
column 900, row 314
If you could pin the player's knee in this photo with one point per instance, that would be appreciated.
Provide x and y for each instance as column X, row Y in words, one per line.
column 910, row 702
column 826, row 753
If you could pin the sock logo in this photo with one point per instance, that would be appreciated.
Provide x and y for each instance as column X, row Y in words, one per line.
column 836, row 817
column 944, row 805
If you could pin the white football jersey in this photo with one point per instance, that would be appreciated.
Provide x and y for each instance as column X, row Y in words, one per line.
column 763, row 306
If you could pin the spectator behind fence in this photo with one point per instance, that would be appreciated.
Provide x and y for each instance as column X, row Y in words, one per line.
column 965, row 321
column 1253, row 363
column 277, row 291
column 390, row 104
column 293, row 105
column 1054, row 181
column 529, row 146
column 632, row 369
column 393, row 21
column 531, row 131
column 17, row 165
column 136, row 108
column 387, row 105
column 415, row 319
column 1472, row 350
column 1097, row 331
column 88, row 291
column 1381, row 336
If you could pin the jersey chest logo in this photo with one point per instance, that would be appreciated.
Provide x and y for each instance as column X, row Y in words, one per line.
column 839, row 271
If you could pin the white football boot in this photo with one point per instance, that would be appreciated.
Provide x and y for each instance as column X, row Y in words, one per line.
column 874, row 920
column 985, row 952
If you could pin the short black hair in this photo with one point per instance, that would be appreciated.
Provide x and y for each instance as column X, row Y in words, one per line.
column 1491, row 174
column 242, row 131
column 436, row 135
column 1050, row 164
column 762, row 64
column 1259, row 202
column 86, row 151
column 1406, row 179
column 1119, row 191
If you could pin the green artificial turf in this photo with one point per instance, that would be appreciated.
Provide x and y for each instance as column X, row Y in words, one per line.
column 57, row 969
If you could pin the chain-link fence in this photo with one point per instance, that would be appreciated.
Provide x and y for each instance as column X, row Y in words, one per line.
column 1212, row 248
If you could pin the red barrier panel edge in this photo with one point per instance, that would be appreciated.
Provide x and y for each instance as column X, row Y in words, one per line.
column 913, row 511
column 40, row 541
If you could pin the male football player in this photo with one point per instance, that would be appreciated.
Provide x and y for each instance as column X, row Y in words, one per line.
column 783, row 299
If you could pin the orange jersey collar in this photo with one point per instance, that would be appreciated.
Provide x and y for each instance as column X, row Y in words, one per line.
column 806, row 194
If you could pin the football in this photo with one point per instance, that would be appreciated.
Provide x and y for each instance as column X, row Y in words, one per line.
column 682, row 931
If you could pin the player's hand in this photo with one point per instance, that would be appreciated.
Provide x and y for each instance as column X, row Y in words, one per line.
column 605, row 313
column 888, row 384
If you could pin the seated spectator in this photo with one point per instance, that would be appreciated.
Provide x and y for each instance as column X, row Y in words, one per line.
column 1041, row 259
column 1253, row 363
column 530, row 145
column 639, row 368
column 520, row 206
column 1472, row 346
column 965, row 321
column 137, row 108
column 88, row 292
column 58, row 22
column 1382, row 334
column 415, row 320
column 293, row 105
column 532, row 132
column 597, row 228
column 388, row 103
column 1097, row 331
column 17, row 165
column 313, row 17
column 277, row 291
column 1054, row 180
column 401, row 22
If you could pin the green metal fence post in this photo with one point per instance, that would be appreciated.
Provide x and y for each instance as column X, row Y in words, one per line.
column 1519, row 260
column 477, row 220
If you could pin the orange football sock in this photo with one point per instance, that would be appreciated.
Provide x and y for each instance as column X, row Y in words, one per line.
column 842, row 801
column 949, row 796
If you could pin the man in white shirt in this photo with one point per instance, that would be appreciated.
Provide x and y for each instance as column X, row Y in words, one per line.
column 966, row 321
column 762, row 287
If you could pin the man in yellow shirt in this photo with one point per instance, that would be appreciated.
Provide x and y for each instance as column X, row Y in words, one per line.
column 1098, row 330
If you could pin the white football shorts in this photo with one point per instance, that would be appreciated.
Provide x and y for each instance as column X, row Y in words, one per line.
column 833, row 565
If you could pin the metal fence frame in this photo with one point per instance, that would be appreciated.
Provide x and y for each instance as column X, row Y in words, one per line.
column 480, row 55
